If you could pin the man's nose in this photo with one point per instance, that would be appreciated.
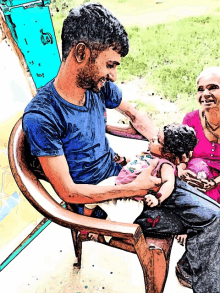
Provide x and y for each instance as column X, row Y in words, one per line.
column 112, row 75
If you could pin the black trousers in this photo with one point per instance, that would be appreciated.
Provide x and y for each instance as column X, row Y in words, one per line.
column 190, row 211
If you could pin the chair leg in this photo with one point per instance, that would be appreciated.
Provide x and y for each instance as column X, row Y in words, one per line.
column 74, row 236
column 153, row 264
column 159, row 269
column 160, row 246
column 79, row 253
column 77, row 247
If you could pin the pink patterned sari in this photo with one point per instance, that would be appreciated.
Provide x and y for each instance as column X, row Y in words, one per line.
column 206, row 155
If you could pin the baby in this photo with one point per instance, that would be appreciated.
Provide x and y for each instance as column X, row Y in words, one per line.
column 170, row 145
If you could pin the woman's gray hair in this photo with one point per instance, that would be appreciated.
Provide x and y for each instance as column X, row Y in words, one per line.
column 215, row 70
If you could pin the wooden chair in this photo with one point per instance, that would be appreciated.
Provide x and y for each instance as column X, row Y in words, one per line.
column 153, row 253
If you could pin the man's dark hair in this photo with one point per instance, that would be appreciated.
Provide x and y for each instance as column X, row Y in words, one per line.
column 178, row 140
column 95, row 26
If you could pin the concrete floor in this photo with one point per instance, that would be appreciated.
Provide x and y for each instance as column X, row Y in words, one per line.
column 46, row 266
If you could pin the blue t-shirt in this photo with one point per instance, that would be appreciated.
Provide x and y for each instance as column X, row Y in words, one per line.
column 55, row 127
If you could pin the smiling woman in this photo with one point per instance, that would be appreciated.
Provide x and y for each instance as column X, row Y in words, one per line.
column 206, row 122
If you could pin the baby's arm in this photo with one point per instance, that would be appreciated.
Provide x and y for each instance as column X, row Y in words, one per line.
column 168, row 181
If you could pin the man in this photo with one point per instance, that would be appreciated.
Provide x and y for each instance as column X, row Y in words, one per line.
column 65, row 126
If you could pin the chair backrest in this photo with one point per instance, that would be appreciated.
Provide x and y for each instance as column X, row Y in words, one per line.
column 27, row 173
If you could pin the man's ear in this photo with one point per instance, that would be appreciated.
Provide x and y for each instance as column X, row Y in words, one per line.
column 80, row 52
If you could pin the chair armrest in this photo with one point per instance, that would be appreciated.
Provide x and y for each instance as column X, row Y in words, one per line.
column 125, row 131
column 38, row 196
column 78, row 222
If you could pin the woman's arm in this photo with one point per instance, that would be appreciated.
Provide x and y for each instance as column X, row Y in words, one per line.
column 203, row 184
column 168, row 181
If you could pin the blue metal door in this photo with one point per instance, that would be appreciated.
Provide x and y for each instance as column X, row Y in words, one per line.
column 31, row 27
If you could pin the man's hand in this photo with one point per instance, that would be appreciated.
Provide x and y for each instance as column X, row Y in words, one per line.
column 57, row 171
column 145, row 180
column 151, row 200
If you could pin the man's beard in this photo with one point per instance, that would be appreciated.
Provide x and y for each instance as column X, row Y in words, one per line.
column 86, row 78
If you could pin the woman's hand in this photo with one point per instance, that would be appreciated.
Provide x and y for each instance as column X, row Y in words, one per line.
column 209, row 184
column 202, row 185
column 197, row 183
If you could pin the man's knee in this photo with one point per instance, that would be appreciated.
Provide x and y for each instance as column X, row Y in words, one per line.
column 194, row 207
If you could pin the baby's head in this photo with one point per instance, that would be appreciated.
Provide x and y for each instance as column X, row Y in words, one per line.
column 174, row 143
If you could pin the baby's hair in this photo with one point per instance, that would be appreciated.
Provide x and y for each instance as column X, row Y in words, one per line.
column 178, row 140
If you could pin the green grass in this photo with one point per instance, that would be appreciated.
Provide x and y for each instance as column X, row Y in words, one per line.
column 170, row 56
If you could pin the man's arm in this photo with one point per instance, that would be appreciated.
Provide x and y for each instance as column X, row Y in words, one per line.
column 138, row 120
column 57, row 171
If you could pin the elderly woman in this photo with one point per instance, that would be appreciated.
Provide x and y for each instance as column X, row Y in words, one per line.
column 203, row 170
column 205, row 163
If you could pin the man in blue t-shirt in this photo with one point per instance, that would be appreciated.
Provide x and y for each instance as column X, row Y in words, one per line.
column 65, row 127
column 78, row 132
column 65, row 123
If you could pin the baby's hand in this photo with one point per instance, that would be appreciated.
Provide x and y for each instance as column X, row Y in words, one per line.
column 151, row 200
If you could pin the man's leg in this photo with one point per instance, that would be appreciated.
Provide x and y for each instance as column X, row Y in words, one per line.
column 184, row 272
column 200, row 216
column 203, row 254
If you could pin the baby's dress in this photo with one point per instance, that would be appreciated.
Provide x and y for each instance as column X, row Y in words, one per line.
column 130, row 171
column 126, row 210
